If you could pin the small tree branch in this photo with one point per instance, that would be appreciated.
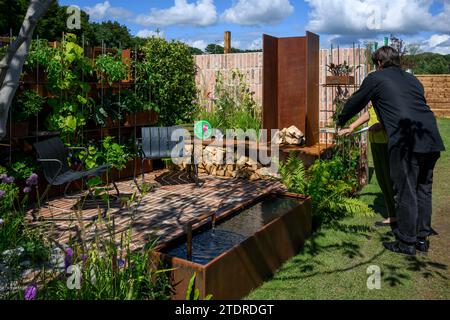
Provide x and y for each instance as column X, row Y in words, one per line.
column 14, row 59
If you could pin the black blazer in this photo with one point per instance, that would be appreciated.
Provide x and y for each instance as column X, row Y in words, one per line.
column 399, row 101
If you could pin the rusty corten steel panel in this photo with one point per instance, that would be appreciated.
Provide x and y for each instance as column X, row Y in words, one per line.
column 270, row 84
column 238, row 271
column 291, row 84
column 312, row 90
column 292, row 79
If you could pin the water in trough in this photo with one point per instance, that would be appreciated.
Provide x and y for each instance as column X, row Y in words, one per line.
column 208, row 244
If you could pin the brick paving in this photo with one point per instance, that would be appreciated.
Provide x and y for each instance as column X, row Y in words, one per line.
column 162, row 213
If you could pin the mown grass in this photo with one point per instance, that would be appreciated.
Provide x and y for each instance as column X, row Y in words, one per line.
column 334, row 263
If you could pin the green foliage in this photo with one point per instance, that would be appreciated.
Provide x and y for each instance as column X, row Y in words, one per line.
column 342, row 69
column 192, row 293
column 111, row 68
column 218, row 49
column 233, row 106
column 168, row 69
column 23, row 169
column 27, row 104
column 115, row 154
column 328, row 184
column 294, row 175
column 195, row 51
column 111, row 34
column 109, row 270
column 70, row 100
column 10, row 193
column 109, row 152
column 431, row 63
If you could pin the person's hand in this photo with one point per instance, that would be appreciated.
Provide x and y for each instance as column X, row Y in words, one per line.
column 345, row 132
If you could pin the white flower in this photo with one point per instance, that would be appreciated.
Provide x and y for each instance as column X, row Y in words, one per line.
column 1, row 222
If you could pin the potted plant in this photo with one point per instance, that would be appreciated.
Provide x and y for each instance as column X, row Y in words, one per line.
column 340, row 74
column 28, row 104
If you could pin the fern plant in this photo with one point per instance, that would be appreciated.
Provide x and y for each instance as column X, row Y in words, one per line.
column 327, row 184
column 294, row 175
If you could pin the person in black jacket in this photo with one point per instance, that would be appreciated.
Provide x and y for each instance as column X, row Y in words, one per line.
column 414, row 145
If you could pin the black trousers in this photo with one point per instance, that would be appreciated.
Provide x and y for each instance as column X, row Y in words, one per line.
column 412, row 177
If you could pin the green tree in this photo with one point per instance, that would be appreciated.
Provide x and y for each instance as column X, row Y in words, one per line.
column 168, row 68
column 195, row 51
column 50, row 27
column 11, row 16
column 214, row 49
column 431, row 63
column 112, row 34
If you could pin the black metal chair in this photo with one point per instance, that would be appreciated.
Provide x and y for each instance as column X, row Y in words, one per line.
column 54, row 158
column 156, row 143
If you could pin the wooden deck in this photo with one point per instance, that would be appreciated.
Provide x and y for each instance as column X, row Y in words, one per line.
column 163, row 213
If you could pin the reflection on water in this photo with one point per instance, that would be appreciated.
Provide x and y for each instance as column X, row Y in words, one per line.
column 213, row 242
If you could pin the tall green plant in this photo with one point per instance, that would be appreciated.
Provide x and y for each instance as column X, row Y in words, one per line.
column 234, row 106
column 168, row 70
column 65, row 67
column 328, row 185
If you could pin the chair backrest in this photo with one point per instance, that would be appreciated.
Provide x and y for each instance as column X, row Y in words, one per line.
column 157, row 142
column 52, row 149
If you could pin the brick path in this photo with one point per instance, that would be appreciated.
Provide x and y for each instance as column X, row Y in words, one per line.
column 163, row 212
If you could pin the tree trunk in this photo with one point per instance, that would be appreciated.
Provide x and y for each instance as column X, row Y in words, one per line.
column 11, row 65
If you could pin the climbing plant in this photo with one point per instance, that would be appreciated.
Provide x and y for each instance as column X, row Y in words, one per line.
column 64, row 67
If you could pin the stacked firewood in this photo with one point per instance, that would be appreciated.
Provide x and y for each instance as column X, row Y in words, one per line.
column 214, row 163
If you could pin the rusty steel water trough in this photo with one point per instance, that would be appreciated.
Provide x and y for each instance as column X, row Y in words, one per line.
column 235, row 273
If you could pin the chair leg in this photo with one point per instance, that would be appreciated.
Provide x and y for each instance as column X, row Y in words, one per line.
column 40, row 202
column 142, row 171
column 197, row 179
column 116, row 188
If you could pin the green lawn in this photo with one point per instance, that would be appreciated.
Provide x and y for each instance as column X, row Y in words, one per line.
column 333, row 264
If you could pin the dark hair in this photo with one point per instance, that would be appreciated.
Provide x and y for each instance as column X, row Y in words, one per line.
column 388, row 57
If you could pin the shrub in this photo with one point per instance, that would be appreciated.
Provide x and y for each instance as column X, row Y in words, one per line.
column 168, row 69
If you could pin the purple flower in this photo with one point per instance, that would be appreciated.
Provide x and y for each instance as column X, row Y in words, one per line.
column 121, row 263
column 68, row 258
column 27, row 190
column 30, row 293
column 2, row 193
column 32, row 180
column 7, row 179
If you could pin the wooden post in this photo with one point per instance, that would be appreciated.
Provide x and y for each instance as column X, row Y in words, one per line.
column 227, row 42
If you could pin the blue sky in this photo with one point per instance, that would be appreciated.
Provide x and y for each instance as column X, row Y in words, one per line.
column 199, row 22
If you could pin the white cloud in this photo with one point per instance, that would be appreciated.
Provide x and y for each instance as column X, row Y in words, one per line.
column 437, row 43
column 369, row 17
column 255, row 44
column 254, row 12
column 199, row 44
column 146, row 33
column 201, row 13
column 104, row 11
column 234, row 44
